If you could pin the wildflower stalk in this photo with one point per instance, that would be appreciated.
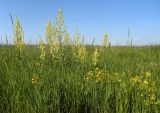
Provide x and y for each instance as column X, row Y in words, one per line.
column 66, row 37
column 105, row 42
column 51, row 33
column 79, row 50
column 59, row 25
column 48, row 32
column 18, row 35
column 95, row 56
column 82, row 53
column 42, row 49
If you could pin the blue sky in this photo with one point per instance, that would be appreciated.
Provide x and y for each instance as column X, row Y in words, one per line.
column 91, row 17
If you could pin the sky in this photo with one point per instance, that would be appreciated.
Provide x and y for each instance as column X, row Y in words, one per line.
column 92, row 18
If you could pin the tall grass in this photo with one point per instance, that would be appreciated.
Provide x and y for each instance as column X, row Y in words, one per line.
column 63, row 76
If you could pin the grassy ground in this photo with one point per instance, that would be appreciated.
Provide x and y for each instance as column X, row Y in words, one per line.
column 124, row 80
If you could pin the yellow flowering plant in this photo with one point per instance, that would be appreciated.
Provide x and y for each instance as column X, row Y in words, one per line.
column 18, row 35
column 42, row 49
column 95, row 56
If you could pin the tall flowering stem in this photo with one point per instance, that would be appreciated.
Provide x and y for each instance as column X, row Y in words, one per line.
column 18, row 35
column 95, row 56
column 42, row 49
column 82, row 53
column 79, row 49
column 48, row 32
column 59, row 25
column 105, row 42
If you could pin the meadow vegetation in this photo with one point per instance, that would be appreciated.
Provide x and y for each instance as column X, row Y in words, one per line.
column 66, row 76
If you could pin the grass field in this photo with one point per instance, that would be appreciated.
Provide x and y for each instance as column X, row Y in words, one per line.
column 65, row 77
column 124, row 80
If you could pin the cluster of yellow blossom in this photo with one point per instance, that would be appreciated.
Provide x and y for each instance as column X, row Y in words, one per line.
column 141, row 80
column 97, row 75
column 82, row 52
column 105, row 41
column 54, row 49
column 55, row 34
column 148, row 74
column 146, row 86
column 95, row 56
column 52, row 41
column 79, row 50
column 18, row 35
column 90, row 75
column 136, row 80
column 34, row 79
column 59, row 25
column 48, row 32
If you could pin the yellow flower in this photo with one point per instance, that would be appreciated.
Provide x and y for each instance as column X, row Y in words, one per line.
column 144, row 85
column 119, row 80
column 96, row 75
column 89, row 75
column 59, row 26
column 82, row 53
column 48, row 32
column 105, row 40
column 52, row 39
column 145, row 82
column 152, row 98
column 87, row 78
column 34, row 79
column 95, row 56
column 18, row 35
column 148, row 74
column 99, row 74
column 136, row 80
